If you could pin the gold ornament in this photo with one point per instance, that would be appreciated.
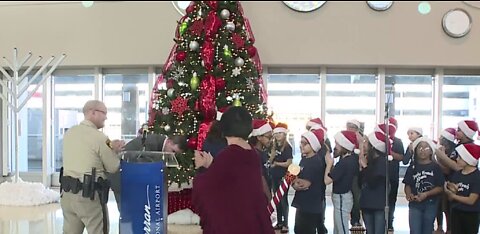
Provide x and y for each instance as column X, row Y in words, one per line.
column 183, row 27
column 237, row 102
column 194, row 81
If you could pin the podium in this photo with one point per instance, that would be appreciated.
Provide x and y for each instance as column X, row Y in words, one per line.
column 143, row 206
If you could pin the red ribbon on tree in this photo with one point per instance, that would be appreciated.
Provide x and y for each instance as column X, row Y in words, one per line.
column 212, row 24
column 212, row 4
column 207, row 107
column 207, row 97
column 207, row 55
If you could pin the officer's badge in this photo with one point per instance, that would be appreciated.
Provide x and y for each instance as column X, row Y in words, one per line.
column 109, row 143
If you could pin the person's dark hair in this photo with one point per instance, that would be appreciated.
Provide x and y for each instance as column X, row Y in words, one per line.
column 372, row 152
column 214, row 134
column 415, row 153
column 236, row 122
column 253, row 140
column 449, row 146
column 179, row 140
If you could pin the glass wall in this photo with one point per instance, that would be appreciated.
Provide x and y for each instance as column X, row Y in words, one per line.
column 461, row 96
column 349, row 96
column 410, row 99
column 71, row 91
column 295, row 96
column 294, row 99
column 126, row 96
column 31, row 122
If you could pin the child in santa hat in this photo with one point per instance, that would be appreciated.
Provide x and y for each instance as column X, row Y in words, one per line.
column 463, row 189
column 281, row 157
column 423, row 185
column 342, row 175
column 413, row 134
column 309, row 185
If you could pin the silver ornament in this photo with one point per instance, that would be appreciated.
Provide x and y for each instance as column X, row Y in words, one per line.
column 193, row 45
column 225, row 14
column 230, row 26
column 239, row 62
column 170, row 92
column 167, row 128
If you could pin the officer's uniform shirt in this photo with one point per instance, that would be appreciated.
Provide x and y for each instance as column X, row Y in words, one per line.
column 84, row 147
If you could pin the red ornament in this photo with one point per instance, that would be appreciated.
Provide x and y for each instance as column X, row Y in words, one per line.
column 238, row 41
column 181, row 55
column 220, row 66
column 179, row 105
column 252, row 51
column 192, row 143
column 219, row 84
column 170, row 83
column 212, row 4
column 197, row 27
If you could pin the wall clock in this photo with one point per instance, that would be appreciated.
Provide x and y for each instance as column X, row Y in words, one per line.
column 380, row 5
column 304, row 6
column 457, row 23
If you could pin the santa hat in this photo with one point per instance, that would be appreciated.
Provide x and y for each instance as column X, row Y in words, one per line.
column 315, row 138
column 354, row 122
column 315, row 124
column 416, row 129
column 382, row 129
column 260, row 127
column 449, row 134
column 393, row 121
column 280, row 127
column 468, row 127
column 469, row 153
column 424, row 139
column 377, row 139
column 348, row 140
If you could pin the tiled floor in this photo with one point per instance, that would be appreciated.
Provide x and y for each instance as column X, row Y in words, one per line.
column 49, row 219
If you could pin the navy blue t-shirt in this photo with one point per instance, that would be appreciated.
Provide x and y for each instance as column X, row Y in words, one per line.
column 394, row 165
column 311, row 200
column 373, row 184
column 279, row 172
column 265, row 165
column 342, row 174
column 467, row 184
column 422, row 178
column 214, row 147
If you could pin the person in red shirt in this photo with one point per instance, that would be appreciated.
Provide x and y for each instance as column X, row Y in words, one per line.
column 229, row 195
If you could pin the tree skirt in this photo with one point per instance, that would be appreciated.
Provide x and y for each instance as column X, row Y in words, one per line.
column 26, row 194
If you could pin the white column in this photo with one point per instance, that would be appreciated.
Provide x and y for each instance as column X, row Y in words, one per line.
column 437, row 101
column 323, row 92
column 380, row 95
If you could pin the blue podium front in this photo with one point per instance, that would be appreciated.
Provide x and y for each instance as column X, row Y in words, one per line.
column 143, row 206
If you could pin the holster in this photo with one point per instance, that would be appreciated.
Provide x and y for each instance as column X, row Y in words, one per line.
column 70, row 184
column 103, row 187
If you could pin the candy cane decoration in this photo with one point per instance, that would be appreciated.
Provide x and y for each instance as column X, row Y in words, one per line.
column 292, row 173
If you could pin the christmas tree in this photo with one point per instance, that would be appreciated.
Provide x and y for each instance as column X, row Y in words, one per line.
column 213, row 65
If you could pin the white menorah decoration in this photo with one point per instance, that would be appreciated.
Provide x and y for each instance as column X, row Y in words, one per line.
column 16, row 88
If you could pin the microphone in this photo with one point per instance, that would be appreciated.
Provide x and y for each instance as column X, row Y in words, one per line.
column 144, row 135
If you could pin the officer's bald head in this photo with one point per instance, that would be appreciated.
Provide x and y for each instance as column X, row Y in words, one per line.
column 91, row 106
column 96, row 112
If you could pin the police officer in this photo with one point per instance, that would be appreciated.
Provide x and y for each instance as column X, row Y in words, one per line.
column 87, row 151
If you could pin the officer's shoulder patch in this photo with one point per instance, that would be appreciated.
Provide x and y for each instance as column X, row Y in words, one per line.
column 109, row 143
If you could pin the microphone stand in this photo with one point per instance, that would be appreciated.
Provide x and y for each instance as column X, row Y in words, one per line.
column 387, row 150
